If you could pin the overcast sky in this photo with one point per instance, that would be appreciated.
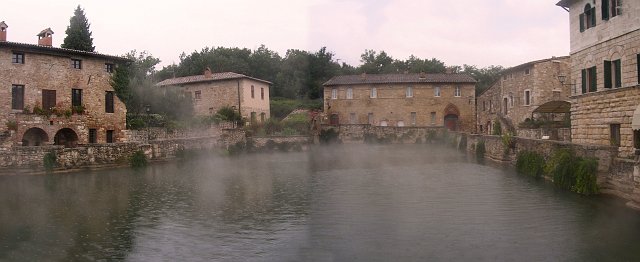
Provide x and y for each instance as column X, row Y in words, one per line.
column 476, row 32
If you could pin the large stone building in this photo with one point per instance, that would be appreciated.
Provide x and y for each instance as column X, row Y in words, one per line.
column 605, row 49
column 522, row 90
column 212, row 91
column 59, row 96
column 402, row 100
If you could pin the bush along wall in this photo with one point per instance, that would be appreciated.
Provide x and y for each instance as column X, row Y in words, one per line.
column 572, row 172
column 530, row 163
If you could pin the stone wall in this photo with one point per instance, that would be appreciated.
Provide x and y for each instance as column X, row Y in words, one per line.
column 560, row 134
column 398, row 135
column 158, row 133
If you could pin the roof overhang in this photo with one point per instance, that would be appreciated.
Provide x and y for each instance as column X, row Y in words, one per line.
column 557, row 107
column 564, row 3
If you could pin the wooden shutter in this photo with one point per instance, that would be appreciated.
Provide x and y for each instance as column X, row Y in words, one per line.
column 108, row 102
column 607, row 74
column 581, row 22
column 593, row 17
column 48, row 99
column 593, row 87
column 605, row 9
column 584, row 81
column 618, row 67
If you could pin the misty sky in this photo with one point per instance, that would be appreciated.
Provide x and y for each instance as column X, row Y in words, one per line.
column 477, row 32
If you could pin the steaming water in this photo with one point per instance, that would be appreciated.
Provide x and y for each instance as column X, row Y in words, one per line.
column 357, row 203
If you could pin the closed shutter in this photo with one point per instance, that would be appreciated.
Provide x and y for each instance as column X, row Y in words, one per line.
column 108, row 102
column 605, row 9
column 48, row 99
column 593, row 17
column 638, row 67
column 17, row 97
column 584, row 81
column 593, row 87
column 581, row 22
column 607, row 74
column 618, row 67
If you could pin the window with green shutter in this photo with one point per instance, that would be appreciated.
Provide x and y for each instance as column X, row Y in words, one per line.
column 584, row 81
column 617, row 66
column 581, row 22
column 605, row 9
column 638, row 67
column 607, row 74
column 593, row 87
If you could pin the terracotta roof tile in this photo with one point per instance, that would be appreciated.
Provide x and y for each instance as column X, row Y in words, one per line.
column 203, row 78
column 59, row 50
column 399, row 78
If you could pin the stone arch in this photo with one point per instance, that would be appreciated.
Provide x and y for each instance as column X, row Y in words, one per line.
column 66, row 137
column 451, row 117
column 615, row 52
column 35, row 137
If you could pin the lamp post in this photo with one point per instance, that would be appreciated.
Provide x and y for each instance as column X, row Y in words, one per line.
column 562, row 79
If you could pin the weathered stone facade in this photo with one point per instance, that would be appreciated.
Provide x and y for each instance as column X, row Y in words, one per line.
column 212, row 91
column 424, row 100
column 521, row 90
column 602, row 112
column 35, row 69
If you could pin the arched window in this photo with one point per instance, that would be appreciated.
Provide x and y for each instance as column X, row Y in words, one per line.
column 588, row 18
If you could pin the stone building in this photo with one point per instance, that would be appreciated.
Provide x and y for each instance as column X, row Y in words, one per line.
column 402, row 100
column 605, row 50
column 59, row 96
column 522, row 93
column 213, row 91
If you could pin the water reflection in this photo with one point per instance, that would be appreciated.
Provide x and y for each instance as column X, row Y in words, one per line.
column 356, row 203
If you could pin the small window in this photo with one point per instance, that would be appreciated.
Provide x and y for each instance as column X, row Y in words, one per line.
column 262, row 93
column 76, row 63
column 612, row 74
column 527, row 71
column 374, row 92
column 17, row 58
column 252, row 92
column 93, row 136
column 484, row 105
column 436, row 91
column 109, row 136
column 589, row 80
column 349, row 93
column 76, row 97
column 409, row 91
column 457, row 92
column 370, row 118
column 334, row 93
column 17, row 97
column 527, row 97
column 262, row 117
column 511, row 103
column 108, row 68
column 198, row 95
column 108, row 102
column 615, row 134
column 352, row 118
column 413, row 118
column 433, row 118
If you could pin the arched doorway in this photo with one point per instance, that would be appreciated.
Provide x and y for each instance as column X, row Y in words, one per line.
column 66, row 137
column 451, row 115
column 34, row 137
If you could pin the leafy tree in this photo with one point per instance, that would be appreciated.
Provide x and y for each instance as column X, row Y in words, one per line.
column 78, row 34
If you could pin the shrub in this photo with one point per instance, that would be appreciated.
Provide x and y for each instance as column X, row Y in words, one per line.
column 50, row 161
column 508, row 142
column 561, row 167
column 272, row 126
column 78, row 109
column 12, row 125
column 298, row 122
column 431, row 135
column 480, row 149
column 287, row 131
column 138, row 159
column 328, row 136
column 497, row 128
column 530, row 163
column 586, row 177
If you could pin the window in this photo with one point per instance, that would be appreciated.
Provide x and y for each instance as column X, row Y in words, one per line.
column 48, row 99
column 610, row 9
column 254, row 118
column 17, row 58
column 413, row 118
column 198, row 94
column 589, row 80
column 262, row 117
column 252, row 92
column 588, row 18
column 352, row 118
column 76, row 97
column 108, row 102
column 93, row 136
column 615, row 134
column 457, row 92
column 490, row 105
column 612, row 74
column 370, row 118
column 374, row 92
column 436, row 91
column 527, row 97
column 349, row 93
column 76, row 63
column 638, row 66
column 334, row 93
column 433, row 118
column 109, row 136
column 527, row 71
column 17, row 97
column 108, row 68
column 409, row 91
column 262, row 93
column 484, row 105
column 511, row 103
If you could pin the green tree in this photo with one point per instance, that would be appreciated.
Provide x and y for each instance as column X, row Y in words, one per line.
column 78, row 34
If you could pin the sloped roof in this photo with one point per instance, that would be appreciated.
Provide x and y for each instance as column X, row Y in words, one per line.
column 58, row 50
column 554, row 107
column 564, row 3
column 399, row 78
column 45, row 32
column 3, row 25
column 203, row 78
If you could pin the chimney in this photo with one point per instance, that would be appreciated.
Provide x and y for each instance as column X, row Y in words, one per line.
column 3, row 31
column 207, row 72
column 423, row 75
column 45, row 37
column 363, row 76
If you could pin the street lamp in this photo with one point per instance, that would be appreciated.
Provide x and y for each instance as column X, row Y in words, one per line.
column 562, row 79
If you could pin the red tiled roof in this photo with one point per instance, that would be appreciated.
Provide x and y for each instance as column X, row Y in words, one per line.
column 59, row 50
column 399, row 78
column 203, row 78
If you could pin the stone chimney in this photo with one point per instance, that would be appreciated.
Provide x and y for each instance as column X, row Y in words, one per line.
column 3, row 31
column 423, row 75
column 207, row 72
column 45, row 37
column 363, row 76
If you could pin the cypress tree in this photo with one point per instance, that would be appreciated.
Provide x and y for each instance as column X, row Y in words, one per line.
column 78, row 34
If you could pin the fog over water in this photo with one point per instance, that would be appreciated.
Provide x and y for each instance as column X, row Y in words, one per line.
column 340, row 203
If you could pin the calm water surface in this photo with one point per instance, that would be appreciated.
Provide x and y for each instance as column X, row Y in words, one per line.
column 356, row 203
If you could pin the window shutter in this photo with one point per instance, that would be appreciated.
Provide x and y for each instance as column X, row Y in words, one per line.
column 581, row 22
column 593, row 81
column 593, row 17
column 607, row 74
column 618, row 66
column 605, row 9
column 638, row 69
column 584, row 81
